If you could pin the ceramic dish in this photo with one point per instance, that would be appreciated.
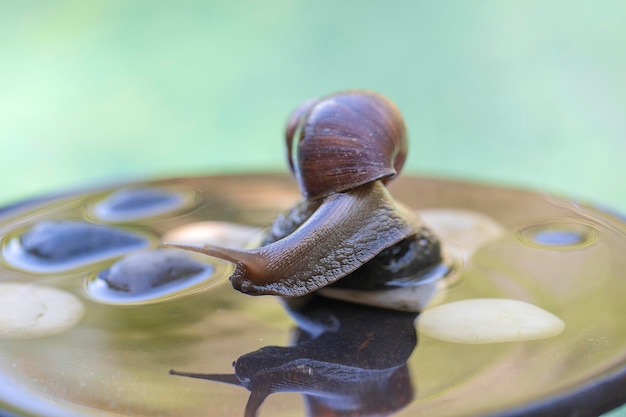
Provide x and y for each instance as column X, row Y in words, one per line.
column 316, row 356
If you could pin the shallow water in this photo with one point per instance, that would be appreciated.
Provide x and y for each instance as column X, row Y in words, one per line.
column 561, row 255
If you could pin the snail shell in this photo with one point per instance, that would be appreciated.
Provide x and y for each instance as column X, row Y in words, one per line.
column 345, row 140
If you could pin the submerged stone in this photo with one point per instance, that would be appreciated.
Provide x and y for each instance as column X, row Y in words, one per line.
column 51, row 246
column 148, row 275
column 136, row 203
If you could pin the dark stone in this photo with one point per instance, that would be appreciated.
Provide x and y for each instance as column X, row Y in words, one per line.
column 64, row 241
column 142, row 272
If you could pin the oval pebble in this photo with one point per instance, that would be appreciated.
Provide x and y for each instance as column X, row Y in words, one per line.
column 52, row 246
column 30, row 311
column 488, row 320
column 227, row 234
column 137, row 203
column 148, row 275
column 469, row 230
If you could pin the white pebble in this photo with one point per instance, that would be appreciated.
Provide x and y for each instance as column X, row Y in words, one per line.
column 488, row 320
column 30, row 311
column 469, row 230
column 227, row 234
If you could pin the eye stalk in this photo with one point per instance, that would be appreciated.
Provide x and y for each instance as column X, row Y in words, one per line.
column 343, row 149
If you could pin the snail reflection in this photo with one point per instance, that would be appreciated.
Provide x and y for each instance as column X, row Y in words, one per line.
column 346, row 360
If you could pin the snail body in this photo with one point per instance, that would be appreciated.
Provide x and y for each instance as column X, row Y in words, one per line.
column 343, row 150
column 345, row 232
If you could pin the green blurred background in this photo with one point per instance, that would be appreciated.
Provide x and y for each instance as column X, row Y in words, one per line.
column 522, row 93
column 526, row 93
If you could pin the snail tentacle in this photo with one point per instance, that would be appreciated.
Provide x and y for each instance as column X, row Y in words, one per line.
column 225, row 378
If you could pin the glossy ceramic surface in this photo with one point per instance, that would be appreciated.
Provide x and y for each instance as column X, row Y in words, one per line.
column 317, row 356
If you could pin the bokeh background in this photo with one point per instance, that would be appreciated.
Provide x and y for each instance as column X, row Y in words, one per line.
column 520, row 93
column 524, row 93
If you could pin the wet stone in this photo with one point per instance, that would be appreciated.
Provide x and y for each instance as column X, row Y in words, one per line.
column 51, row 246
column 148, row 275
column 138, row 203
column 30, row 311
column 557, row 235
column 489, row 320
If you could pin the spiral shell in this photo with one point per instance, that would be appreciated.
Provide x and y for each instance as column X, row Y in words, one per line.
column 339, row 142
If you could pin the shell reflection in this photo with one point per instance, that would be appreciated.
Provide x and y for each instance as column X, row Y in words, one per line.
column 153, row 276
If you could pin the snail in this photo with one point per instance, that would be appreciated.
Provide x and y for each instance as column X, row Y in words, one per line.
column 343, row 150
